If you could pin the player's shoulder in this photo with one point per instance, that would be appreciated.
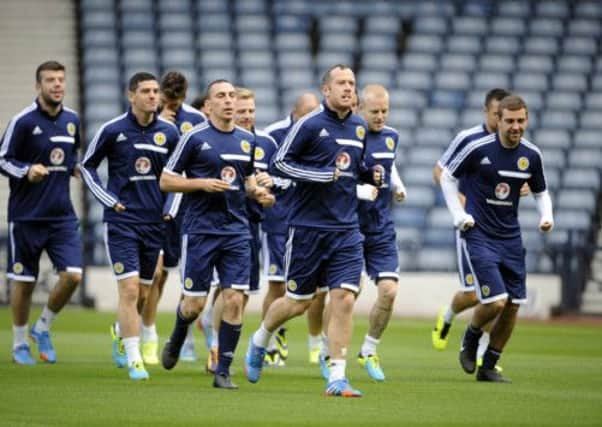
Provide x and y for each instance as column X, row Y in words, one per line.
column 280, row 125
column 264, row 137
column 243, row 133
column 116, row 124
column 24, row 116
column 168, row 127
column 480, row 143
column 70, row 113
column 471, row 133
column 389, row 131
column 530, row 148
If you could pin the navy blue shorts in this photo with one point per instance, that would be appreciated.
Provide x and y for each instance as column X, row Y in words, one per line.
column 316, row 257
column 499, row 266
column 172, row 246
column 274, row 246
column 464, row 267
column 255, row 248
column 27, row 240
column 133, row 249
column 201, row 253
column 380, row 256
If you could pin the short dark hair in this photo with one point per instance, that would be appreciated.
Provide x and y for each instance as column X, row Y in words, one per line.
column 137, row 78
column 327, row 75
column 512, row 103
column 48, row 66
column 496, row 94
column 213, row 83
column 174, row 85
column 199, row 101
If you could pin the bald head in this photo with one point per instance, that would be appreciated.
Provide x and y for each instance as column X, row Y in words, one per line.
column 305, row 103
column 374, row 106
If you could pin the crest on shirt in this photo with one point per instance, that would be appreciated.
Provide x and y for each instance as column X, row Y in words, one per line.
column 245, row 146
column 188, row 283
column 485, row 290
column 71, row 128
column 228, row 174
column 291, row 285
column 118, row 268
column 159, row 138
column 185, row 127
column 17, row 268
column 57, row 156
column 360, row 132
column 502, row 191
column 272, row 268
column 469, row 279
column 259, row 153
column 343, row 161
column 143, row 165
column 522, row 163
column 390, row 143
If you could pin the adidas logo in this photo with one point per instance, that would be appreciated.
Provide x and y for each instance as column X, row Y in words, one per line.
column 324, row 133
column 205, row 146
column 485, row 161
column 37, row 131
column 121, row 137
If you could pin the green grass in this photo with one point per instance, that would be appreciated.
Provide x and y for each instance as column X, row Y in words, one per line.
column 556, row 369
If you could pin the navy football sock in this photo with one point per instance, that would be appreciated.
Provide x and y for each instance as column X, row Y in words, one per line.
column 471, row 339
column 491, row 357
column 180, row 330
column 228, row 339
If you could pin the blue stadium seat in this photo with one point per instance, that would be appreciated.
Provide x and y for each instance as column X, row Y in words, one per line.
column 137, row 5
column 590, row 120
column 588, row 9
column 99, row 38
column 471, row 117
column 137, row 20
column 497, row 62
column 576, row 199
column 558, row 119
column 464, row 44
column 430, row 25
column 485, row 80
column 101, row 74
column 213, row 22
column 587, row 138
column 585, row 27
column 516, row 9
column 452, row 80
column 257, row 77
column 380, row 61
column 447, row 98
column 528, row 217
column 457, row 61
column 414, row 174
column 585, row 158
column 558, row 9
column 421, row 197
column 552, row 138
column 290, row 60
column 541, row 46
column 176, row 40
column 377, row 76
column 571, row 219
column 379, row 24
column 178, row 58
column 439, row 237
column 256, row 59
column 292, row 42
column 506, row 44
column 580, row 46
column 530, row 82
column 216, row 58
column 593, row 100
column 250, row 6
column 569, row 82
column 504, row 26
column 438, row 259
column 424, row 43
column 402, row 98
column 403, row 118
column 211, row 6
column 535, row 63
column 574, row 63
column 138, row 39
column 214, row 40
column 174, row 6
column 554, row 158
column 532, row 239
column 548, row 27
column 180, row 22
column 384, row 43
column 408, row 237
column 564, row 101
column 439, row 217
column 409, row 217
column 440, row 117
column 101, row 19
column 252, row 24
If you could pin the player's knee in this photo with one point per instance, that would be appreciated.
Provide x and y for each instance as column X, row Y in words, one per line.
column 498, row 305
column 72, row 279
column 129, row 293
column 234, row 299
column 387, row 293
column 192, row 306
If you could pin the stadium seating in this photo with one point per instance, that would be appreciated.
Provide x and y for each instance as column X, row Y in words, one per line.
column 438, row 59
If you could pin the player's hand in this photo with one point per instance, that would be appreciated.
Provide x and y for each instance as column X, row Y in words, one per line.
column 118, row 207
column 525, row 190
column 464, row 222
column 336, row 175
column 264, row 179
column 167, row 218
column 264, row 197
column 378, row 175
column 214, row 185
column 546, row 226
column 37, row 172
column 168, row 114
column 399, row 196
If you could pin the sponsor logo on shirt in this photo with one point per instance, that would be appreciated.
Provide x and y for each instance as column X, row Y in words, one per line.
column 502, row 191
column 57, row 156
column 228, row 174
column 343, row 161
column 143, row 165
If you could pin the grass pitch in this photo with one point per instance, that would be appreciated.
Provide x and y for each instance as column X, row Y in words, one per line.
column 556, row 369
